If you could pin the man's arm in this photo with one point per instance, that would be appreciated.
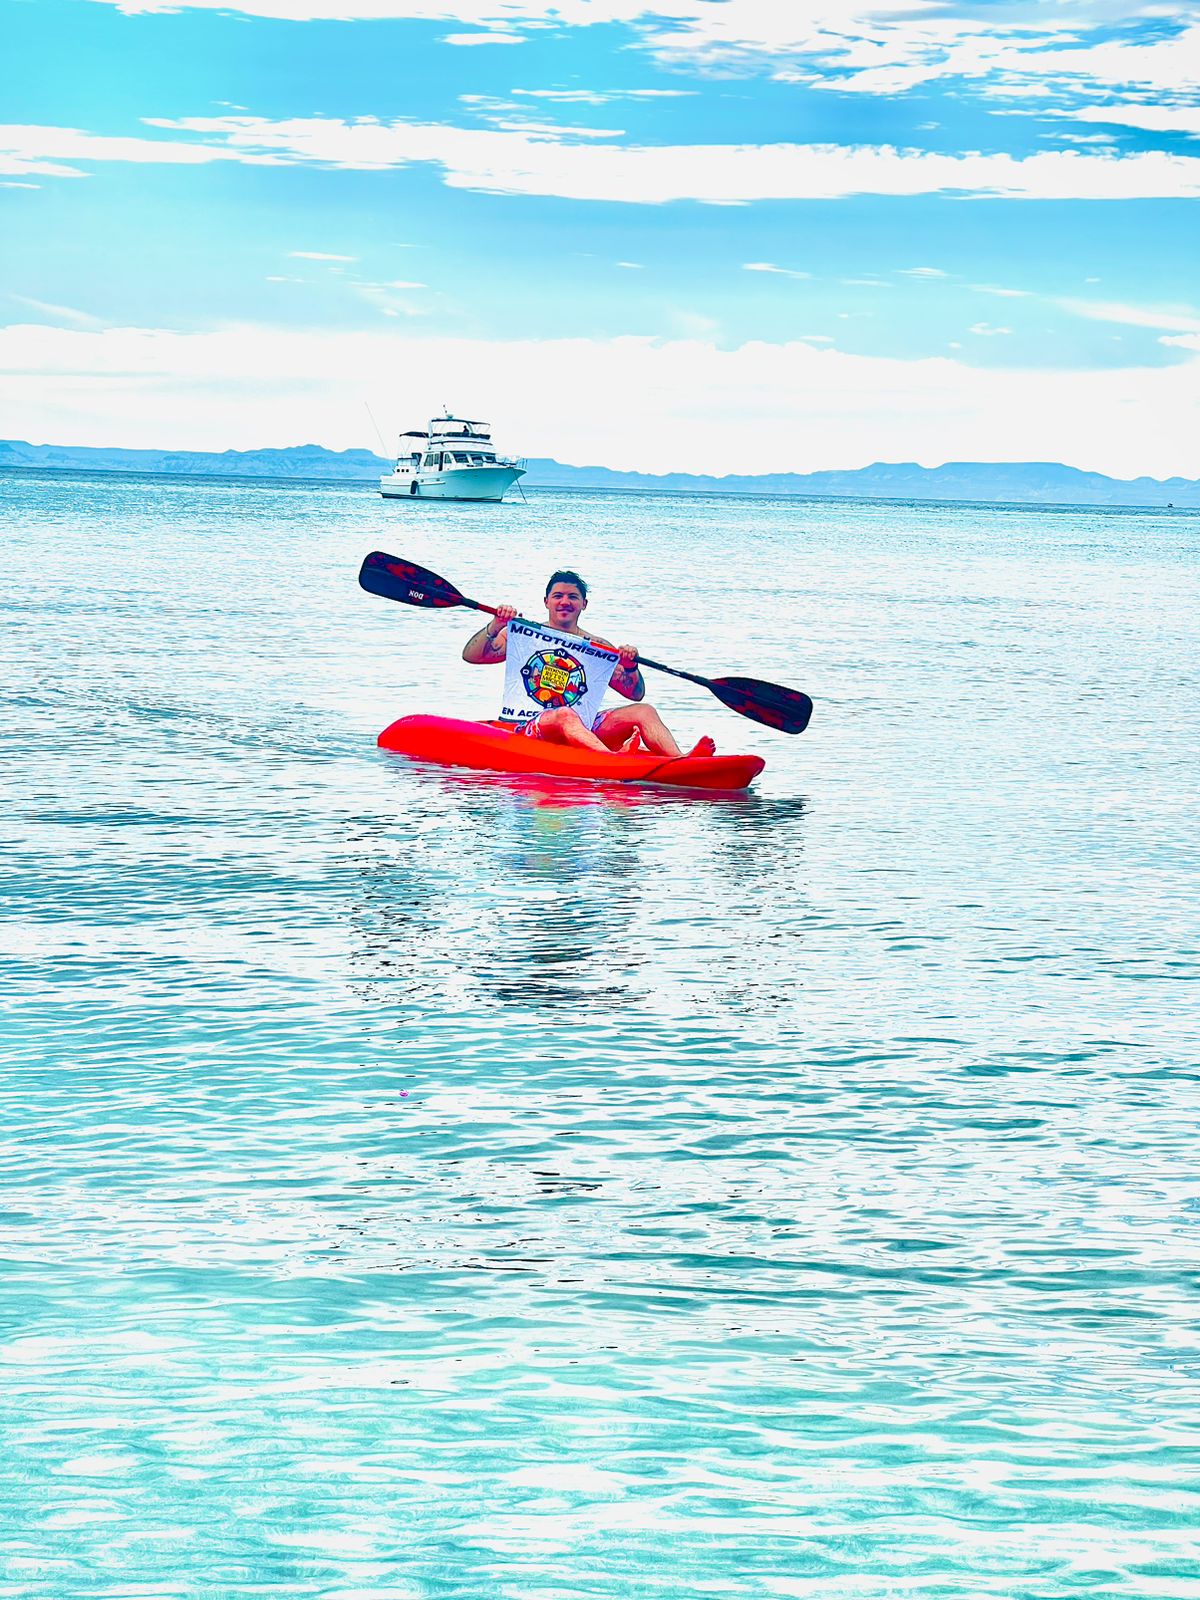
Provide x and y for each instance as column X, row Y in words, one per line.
column 487, row 646
column 629, row 682
column 627, row 678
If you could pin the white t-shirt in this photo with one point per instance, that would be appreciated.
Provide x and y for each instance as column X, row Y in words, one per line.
column 545, row 669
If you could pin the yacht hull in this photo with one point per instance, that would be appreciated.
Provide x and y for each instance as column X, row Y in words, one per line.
column 459, row 483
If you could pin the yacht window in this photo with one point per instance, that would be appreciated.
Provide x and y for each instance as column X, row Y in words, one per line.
column 488, row 456
column 459, row 456
column 431, row 460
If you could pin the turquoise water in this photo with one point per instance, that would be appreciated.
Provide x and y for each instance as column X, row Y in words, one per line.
column 427, row 1185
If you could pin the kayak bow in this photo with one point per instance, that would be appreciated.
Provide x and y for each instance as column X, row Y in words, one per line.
column 491, row 748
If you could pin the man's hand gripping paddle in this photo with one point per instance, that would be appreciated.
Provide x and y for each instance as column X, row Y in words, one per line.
column 786, row 710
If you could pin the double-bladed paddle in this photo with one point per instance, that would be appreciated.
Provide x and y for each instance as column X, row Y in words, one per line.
column 786, row 710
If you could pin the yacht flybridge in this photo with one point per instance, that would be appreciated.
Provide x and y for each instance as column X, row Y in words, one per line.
column 454, row 460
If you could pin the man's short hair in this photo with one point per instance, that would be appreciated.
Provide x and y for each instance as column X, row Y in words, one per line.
column 566, row 576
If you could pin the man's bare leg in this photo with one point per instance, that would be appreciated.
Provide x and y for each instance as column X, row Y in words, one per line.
column 565, row 727
column 644, row 720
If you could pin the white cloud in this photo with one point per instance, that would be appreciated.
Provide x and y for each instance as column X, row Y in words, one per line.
column 1015, row 50
column 483, row 38
column 879, row 48
column 492, row 15
column 567, row 97
column 1079, row 138
column 468, row 11
column 868, row 46
column 594, row 97
column 1165, row 319
column 555, row 162
column 33, row 148
column 639, row 403
column 924, row 272
column 1171, row 319
column 318, row 255
column 1167, row 64
column 1183, row 119
column 769, row 266
column 1026, row 91
column 552, row 130
column 80, row 319
column 390, row 299
column 985, row 330
column 693, row 325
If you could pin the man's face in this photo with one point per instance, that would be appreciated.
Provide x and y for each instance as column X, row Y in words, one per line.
column 563, row 605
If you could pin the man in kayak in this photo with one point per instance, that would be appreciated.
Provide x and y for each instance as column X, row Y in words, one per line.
column 622, row 728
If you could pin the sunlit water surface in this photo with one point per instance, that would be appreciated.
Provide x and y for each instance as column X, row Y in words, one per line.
column 419, row 1184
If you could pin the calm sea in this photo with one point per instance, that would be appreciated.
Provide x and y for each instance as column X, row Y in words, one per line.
column 420, row 1185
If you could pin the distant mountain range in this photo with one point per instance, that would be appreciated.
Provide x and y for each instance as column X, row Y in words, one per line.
column 1023, row 482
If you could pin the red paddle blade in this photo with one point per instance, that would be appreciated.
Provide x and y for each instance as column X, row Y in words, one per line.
column 396, row 579
column 787, row 710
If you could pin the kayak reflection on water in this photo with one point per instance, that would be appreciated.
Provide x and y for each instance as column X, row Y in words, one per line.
column 572, row 876
column 624, row 729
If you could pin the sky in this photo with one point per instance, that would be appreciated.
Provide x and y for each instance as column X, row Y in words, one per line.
column 681, row 235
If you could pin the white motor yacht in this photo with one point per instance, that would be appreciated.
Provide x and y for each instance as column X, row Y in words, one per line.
column 454, row 460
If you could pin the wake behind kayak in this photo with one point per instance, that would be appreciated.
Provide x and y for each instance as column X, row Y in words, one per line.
column 489, row 748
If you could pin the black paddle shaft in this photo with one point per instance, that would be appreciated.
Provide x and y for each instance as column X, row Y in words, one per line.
column 786, row 710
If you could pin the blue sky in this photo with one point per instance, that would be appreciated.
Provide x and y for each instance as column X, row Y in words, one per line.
column 709, row 235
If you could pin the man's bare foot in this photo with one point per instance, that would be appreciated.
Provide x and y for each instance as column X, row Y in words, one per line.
column 631, row 745
column 703, row 747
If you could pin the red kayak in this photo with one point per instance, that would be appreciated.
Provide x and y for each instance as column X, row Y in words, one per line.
column 491, row 748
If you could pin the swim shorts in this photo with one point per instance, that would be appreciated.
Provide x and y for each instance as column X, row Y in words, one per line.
column 530, row 728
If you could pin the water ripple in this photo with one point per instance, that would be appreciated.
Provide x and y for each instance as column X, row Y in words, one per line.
column 422, row 1185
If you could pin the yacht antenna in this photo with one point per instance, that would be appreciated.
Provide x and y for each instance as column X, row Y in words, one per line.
column 378, row 435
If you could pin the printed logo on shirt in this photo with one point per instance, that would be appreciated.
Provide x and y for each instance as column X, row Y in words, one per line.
column 552, row 678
